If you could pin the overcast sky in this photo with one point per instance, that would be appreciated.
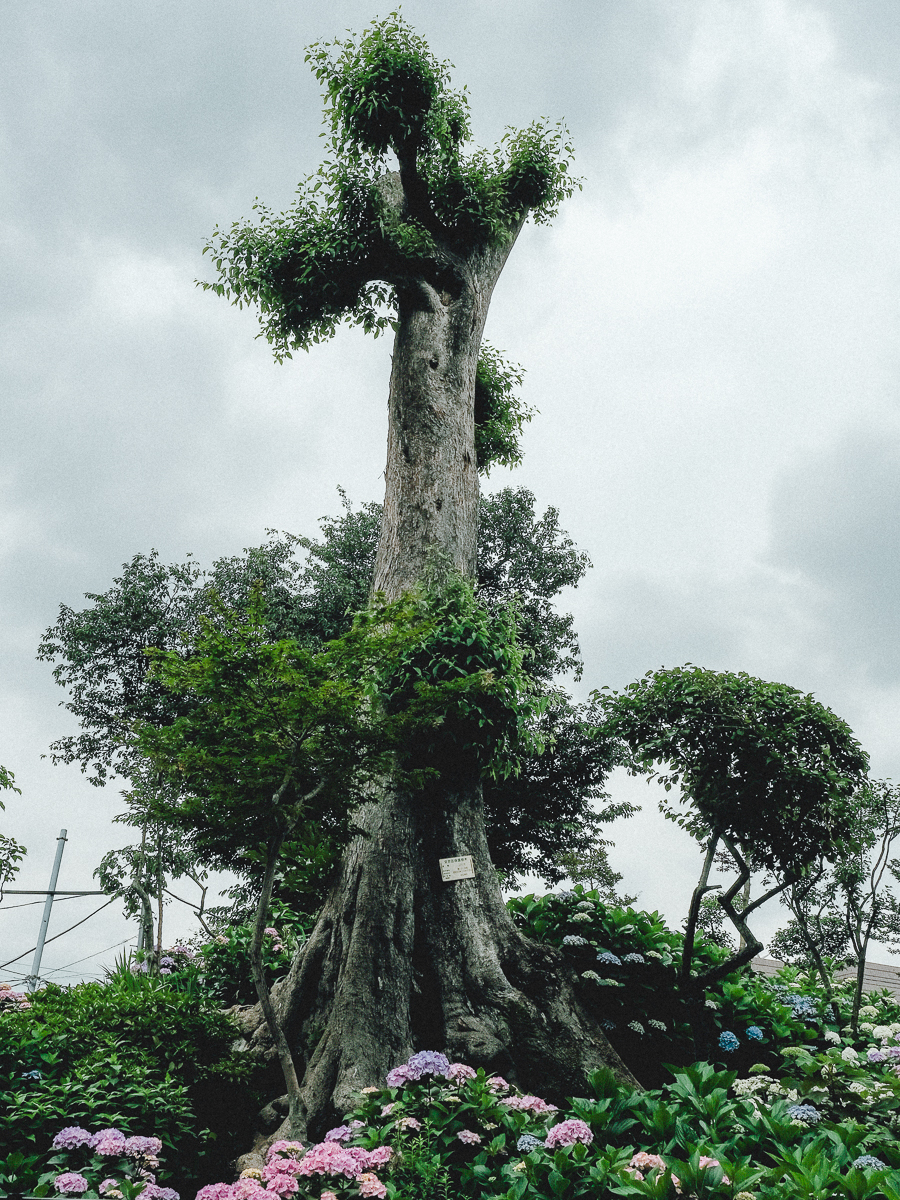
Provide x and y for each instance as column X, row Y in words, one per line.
column 709, row 331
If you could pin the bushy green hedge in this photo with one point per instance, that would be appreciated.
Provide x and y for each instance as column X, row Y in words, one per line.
column 136, row 1053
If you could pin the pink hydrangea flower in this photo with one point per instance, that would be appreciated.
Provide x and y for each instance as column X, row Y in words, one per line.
column 70, row 1183
column 328, row 1196
column 497, row 1083
column 284, row 1185
column 379, row 1156
column 469, row 1138
column 400, row 1076
column 109, row 1141
column 409, row 1123
column 633, row 1172
column 250, row 1189
column 387, row 1109
column 713, row 1162
column 331, row 1158
column 371, row 1185
column 530, row 1104
column 458, row 1072
column 107, row 1184
column 215, row 1191
column 646, row 1162
column 567, row 1133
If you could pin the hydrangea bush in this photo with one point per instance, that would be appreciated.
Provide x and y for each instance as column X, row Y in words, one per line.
column 107, row 1163
column 438, row 1129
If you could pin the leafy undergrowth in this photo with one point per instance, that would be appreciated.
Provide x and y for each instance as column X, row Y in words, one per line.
column 790, row 1103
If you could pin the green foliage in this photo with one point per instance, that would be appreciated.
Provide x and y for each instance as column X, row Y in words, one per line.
column 460, row 678
column 11, row 851
column 310, row 586
column 499, row 414
column 223, row 962
column 763, row 762
column 133, row 1053
column 351, row 238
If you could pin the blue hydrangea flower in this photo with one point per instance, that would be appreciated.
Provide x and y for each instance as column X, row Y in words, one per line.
column 868, row 1162
column 574, row 939
column 754, row 1033
column 634, row 958
column 527, row 1143
column 32, row 1075
column 584, row 906
column 607, row 1025
column 805, row 1113
column 606, row 956
column 728, row 1041
column 565, row 895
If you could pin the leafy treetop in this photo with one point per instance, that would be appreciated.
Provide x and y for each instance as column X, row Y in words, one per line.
column 767, row 766
column 360, row 232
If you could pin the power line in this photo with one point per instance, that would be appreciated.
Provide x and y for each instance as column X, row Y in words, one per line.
column 59, row 935
column 87, row 956
column 28, row 903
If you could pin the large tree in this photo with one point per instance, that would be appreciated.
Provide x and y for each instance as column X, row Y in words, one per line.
column 403, row 226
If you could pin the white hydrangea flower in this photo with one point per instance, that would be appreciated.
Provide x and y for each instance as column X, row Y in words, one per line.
column 654, row 1024
column 857, row 1087
column 832, row 1037
column 710, row 1004
column 894, row 1027
column 868, row 1010
column 848, row 1054
column 866, row 1026
column 580, row 916
column 882, row 1032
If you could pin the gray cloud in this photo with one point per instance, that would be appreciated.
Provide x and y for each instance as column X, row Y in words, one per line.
column 701, row 328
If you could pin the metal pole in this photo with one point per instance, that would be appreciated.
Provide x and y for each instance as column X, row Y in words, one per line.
column 31, row 981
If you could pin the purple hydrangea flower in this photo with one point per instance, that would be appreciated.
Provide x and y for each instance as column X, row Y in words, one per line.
column 876, row 1056
column 574, row 939
column 429, row 1062
column 135, row 1146
column 339, row 1134
column 71, row 1138
column 469, row 1138
column 70, row 1183
column 611, row 960
column 167, row 961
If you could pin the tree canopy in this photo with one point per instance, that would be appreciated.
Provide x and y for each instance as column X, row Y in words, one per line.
column 361, row 231
column 557, row 803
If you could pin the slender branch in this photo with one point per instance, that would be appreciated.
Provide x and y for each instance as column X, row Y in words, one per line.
column 700, row 891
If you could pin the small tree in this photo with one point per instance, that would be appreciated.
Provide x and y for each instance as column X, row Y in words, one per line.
column 11, row 851
column 279, row 734
column 839, row 909
column 766, row 771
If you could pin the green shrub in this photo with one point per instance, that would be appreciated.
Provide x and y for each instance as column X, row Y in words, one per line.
column 135, row 1053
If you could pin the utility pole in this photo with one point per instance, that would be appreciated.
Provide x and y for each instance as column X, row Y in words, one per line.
column 31, row 980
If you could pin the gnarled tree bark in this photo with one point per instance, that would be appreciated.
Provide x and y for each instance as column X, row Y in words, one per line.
column 400, row 961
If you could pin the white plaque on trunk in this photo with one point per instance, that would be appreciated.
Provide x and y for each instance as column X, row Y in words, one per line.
column 457, row 868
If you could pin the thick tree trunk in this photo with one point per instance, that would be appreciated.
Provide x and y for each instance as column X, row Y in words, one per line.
column 400, row 961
